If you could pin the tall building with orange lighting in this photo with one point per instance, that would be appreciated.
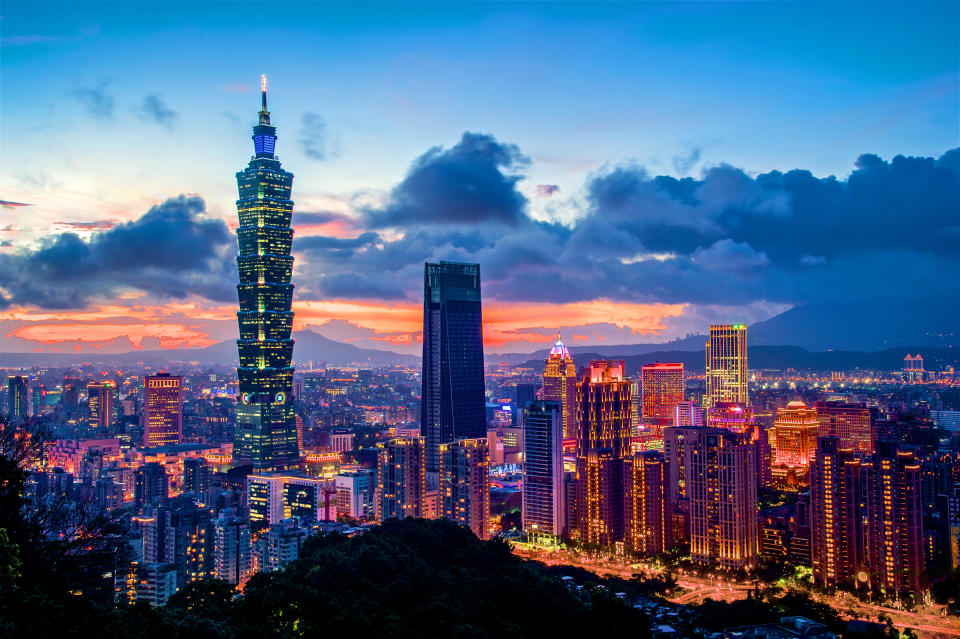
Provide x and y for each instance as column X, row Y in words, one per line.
column 647, row 511
column 101, row 407
column 726, row 365
column 850, row 422
column 662, row 390
column 465, row 484
column 794, row 442
column 560, row 385
column 722, row 488
column 162, row 410
column 603, row 442
column 401, row 478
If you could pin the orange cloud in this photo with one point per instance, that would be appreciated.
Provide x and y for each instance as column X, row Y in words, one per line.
column 168, row 335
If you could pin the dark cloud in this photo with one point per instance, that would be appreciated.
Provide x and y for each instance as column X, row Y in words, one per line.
column 313, row 137
column 171, row 252
column 97, row 99
column 153, row 109
column 473, row 182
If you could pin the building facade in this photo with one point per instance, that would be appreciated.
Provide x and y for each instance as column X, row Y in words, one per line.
column 464, row 484
column 401, row 478
column 648, row 528
column 726, row 365
column 162, row 410
column 266, row 432
column 850, row 422
column 560, row 385
column 101, row 405
column 662, row 391
column 453, row 404
column 543, row 508
column 18, row 403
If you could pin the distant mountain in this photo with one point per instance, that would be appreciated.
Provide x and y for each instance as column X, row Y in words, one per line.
column 310, row 346
column 689, row 343
column 863, row 326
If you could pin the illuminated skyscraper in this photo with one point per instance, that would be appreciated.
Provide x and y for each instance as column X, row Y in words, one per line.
column 648, row 512
column 603, row 442
column 465, row 484
column 544, row 508
column 101, row 405
column 231, row 542
column 722, row 487
column 453, row 402
column 17, row 401
column 794, row 441
column 401, row 478
column 266, row 433
column 726, row 365
column 560, row 385
column 850, row 422
column 162, row 410
column 662, row 388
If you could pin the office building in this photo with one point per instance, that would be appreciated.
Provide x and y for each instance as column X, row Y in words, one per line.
column 151, row 485
column 662, row 391
column 525, row 393
column 232, row 560
column 266, row 432
column 464, row 484
column 401, row 478
column 794, row 443
column 600, row 497
column 722, row 489
column 726, row 365
column 278, row 545
column 543, row 508
column 688, row 413
column 453, row 404
column 156, row 583
column 101, row 405
column 18, row 402
column 850, row 422
column 272, row 497
column 560, row 385
column 648, row 527
column 162, row 410
column 178, row 533
column 196, row 476
column 356, row 491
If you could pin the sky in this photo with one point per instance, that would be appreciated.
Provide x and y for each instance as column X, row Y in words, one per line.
column 622, row 172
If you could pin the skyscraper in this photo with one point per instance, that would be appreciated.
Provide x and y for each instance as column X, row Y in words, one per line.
column 600, row 496
column 662, row 390
column 543, row 510
column 266, row 433
column 795, row 445
column 722, row 486
column 401, row 478
column 453, row 397
column 726, row 351
column 232, row 550
column 465, row 484
column 162, row 409
column 648, row 512
column 560, row 385
column 101, row 399
column 17, row 402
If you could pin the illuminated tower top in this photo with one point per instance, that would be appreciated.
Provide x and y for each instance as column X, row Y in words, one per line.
column 559, row 350
column 264, row 134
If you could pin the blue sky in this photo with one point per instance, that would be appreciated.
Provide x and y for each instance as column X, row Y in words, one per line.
column 110, row 108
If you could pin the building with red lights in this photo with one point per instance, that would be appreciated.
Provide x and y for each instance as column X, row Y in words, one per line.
column 850, row 422
column 662, row 390
column 560, row 385
column 794, row 443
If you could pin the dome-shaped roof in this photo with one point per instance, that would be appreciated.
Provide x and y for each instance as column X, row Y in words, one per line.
column 796, row 404
column 559, row 350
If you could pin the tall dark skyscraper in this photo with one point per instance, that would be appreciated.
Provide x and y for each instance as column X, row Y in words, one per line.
column 454, row 401
column 266, row 432
column 17, row 402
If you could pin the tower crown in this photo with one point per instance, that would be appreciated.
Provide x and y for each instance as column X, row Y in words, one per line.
column 264, row 134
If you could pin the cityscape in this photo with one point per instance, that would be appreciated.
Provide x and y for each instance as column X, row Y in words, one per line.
column 477, row 463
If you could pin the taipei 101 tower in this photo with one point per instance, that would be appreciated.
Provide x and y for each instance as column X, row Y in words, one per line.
column 266, row 432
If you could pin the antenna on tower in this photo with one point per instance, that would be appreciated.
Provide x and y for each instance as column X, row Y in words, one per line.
column 263, row 91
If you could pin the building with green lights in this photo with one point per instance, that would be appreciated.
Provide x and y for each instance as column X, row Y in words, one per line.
column 266, row 432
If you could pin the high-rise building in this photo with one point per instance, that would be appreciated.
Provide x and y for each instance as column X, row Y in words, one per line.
column 722, row 488
column 101, row 405
column 688, row 413
column 272, row 497
column 162, row 410
column 356, row 490
column 266, row 432
column 600, row 502
column 232, row 550
column 726, row 351
column 648, row 528
column 278, row 545
column 18, row 403
column 151, row 485
column 560, row 385
column 662, row 389
column 156, row 583
column 453, row 402
column 196, row 476
column 401, row 478
column 178, row 533
column 794, row 442
column 544, row 509
column 465, row 484
column 525, row 393
column 850, row 422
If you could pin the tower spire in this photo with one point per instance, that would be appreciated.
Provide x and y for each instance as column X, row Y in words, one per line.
column 264, row 114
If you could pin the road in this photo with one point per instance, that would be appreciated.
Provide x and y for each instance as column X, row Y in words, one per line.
column 928, row 625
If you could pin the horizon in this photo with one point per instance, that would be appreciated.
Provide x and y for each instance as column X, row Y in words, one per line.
column 639, row 215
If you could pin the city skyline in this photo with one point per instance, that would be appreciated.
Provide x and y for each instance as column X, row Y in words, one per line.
column 594, row 243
